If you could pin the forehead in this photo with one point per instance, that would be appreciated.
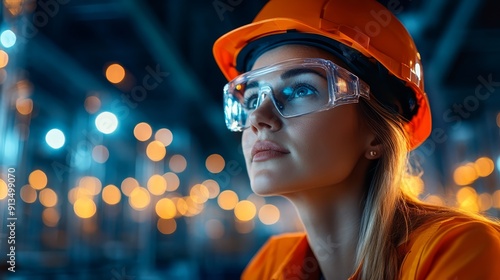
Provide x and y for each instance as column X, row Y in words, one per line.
column 286, row 52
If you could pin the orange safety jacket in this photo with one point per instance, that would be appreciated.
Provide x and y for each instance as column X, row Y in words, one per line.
column 455, row 248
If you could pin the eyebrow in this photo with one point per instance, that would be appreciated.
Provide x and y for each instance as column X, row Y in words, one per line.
column 289, row 74
column 299, row 71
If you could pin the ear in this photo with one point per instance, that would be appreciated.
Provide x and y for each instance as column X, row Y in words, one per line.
column 373, row 148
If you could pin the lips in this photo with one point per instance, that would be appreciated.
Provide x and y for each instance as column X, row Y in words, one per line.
column 264, row 150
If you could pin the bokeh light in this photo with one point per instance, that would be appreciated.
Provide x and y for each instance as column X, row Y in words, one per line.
column 465, row 175
column 269, row 214
column 484, row 166
column 24, row 106
column 485, row 202
column 212, row 187
column 4, row 59
column 143, row 131
column 50, row 217
column 214, row 229
column 55, row 138
column 139, row 198
column 166, row 226
column 165, row 136
column 157, row 185
column 245, row 210
column 172, row 180
column 215, row 163
column 244, row 227
column 128, row 185
column 434, row 200
column 8, row 38
column 78, row 192
column 115, row 73
column 165, row 208
column 92, row 104
column 100, row 154
column 199, row 193
column 467, row 199
column 106, row 122
column 156, row 151
column 227, row 199
column 177, row 163
column 3, row 189
column 111, row 194
column 91, row 184
column 48, row 197
column 28, row 194
column 496, row 199
column 37, row 179
column 84, row 207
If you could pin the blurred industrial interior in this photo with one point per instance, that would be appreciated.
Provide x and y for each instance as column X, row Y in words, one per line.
column 111, row 121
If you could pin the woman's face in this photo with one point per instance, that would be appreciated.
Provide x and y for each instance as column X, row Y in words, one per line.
column 322, row 149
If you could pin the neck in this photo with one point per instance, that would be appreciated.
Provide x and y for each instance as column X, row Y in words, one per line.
column 332, row 222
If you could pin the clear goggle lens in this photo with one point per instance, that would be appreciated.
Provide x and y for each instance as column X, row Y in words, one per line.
column 296, row 87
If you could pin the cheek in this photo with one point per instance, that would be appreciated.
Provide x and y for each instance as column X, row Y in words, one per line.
column 247, row 140
column 331, row 146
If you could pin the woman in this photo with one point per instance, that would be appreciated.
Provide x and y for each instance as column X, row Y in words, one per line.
column 330, row 101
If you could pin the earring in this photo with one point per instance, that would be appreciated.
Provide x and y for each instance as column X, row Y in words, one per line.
column 373, row 153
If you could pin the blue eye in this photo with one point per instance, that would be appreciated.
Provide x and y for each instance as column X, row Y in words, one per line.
column 298, row 91
column 250, row 102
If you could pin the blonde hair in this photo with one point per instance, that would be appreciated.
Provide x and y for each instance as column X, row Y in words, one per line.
column 390, row 212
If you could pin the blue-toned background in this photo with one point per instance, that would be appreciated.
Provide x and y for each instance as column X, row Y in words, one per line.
column 114, row 147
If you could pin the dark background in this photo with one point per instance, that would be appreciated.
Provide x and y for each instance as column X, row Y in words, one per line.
column 59, row 59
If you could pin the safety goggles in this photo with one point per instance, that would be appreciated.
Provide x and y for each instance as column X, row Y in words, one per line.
column 296, row 87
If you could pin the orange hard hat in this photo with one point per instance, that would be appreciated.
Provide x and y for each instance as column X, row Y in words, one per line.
column 363, row 26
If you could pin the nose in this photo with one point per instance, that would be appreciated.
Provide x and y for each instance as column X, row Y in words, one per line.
column 265, row 116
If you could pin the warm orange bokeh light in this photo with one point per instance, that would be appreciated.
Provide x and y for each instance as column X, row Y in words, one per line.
column 199, row 193
column 165, row 136
column 245, row 210
column 78, row 192
column 128, row 185
column 92, row 104
column 484, row 166
column 269, row 214
column 157, row 185
column 166, row 226
column 115, row 73
column 84, row 207
column 92, row 184
column 173, row 181
column 227, row 200
column 48, row 197
column 496, row 199
column 28, row 194
column 50, row 217
column 100, row 154
column 24, row 106
column 4, row 59
column 111, row 194
column 214, row 228
column 467, row 199
column 213, row 188
column 485, row 202
column 165, row 208
column 177, row 163
column 139, row 198
column 156, row 151
column 38, row 179
column 143, row 131
column 215, row 163
column 4, row 190
column 465, row 175
column 434, row 200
